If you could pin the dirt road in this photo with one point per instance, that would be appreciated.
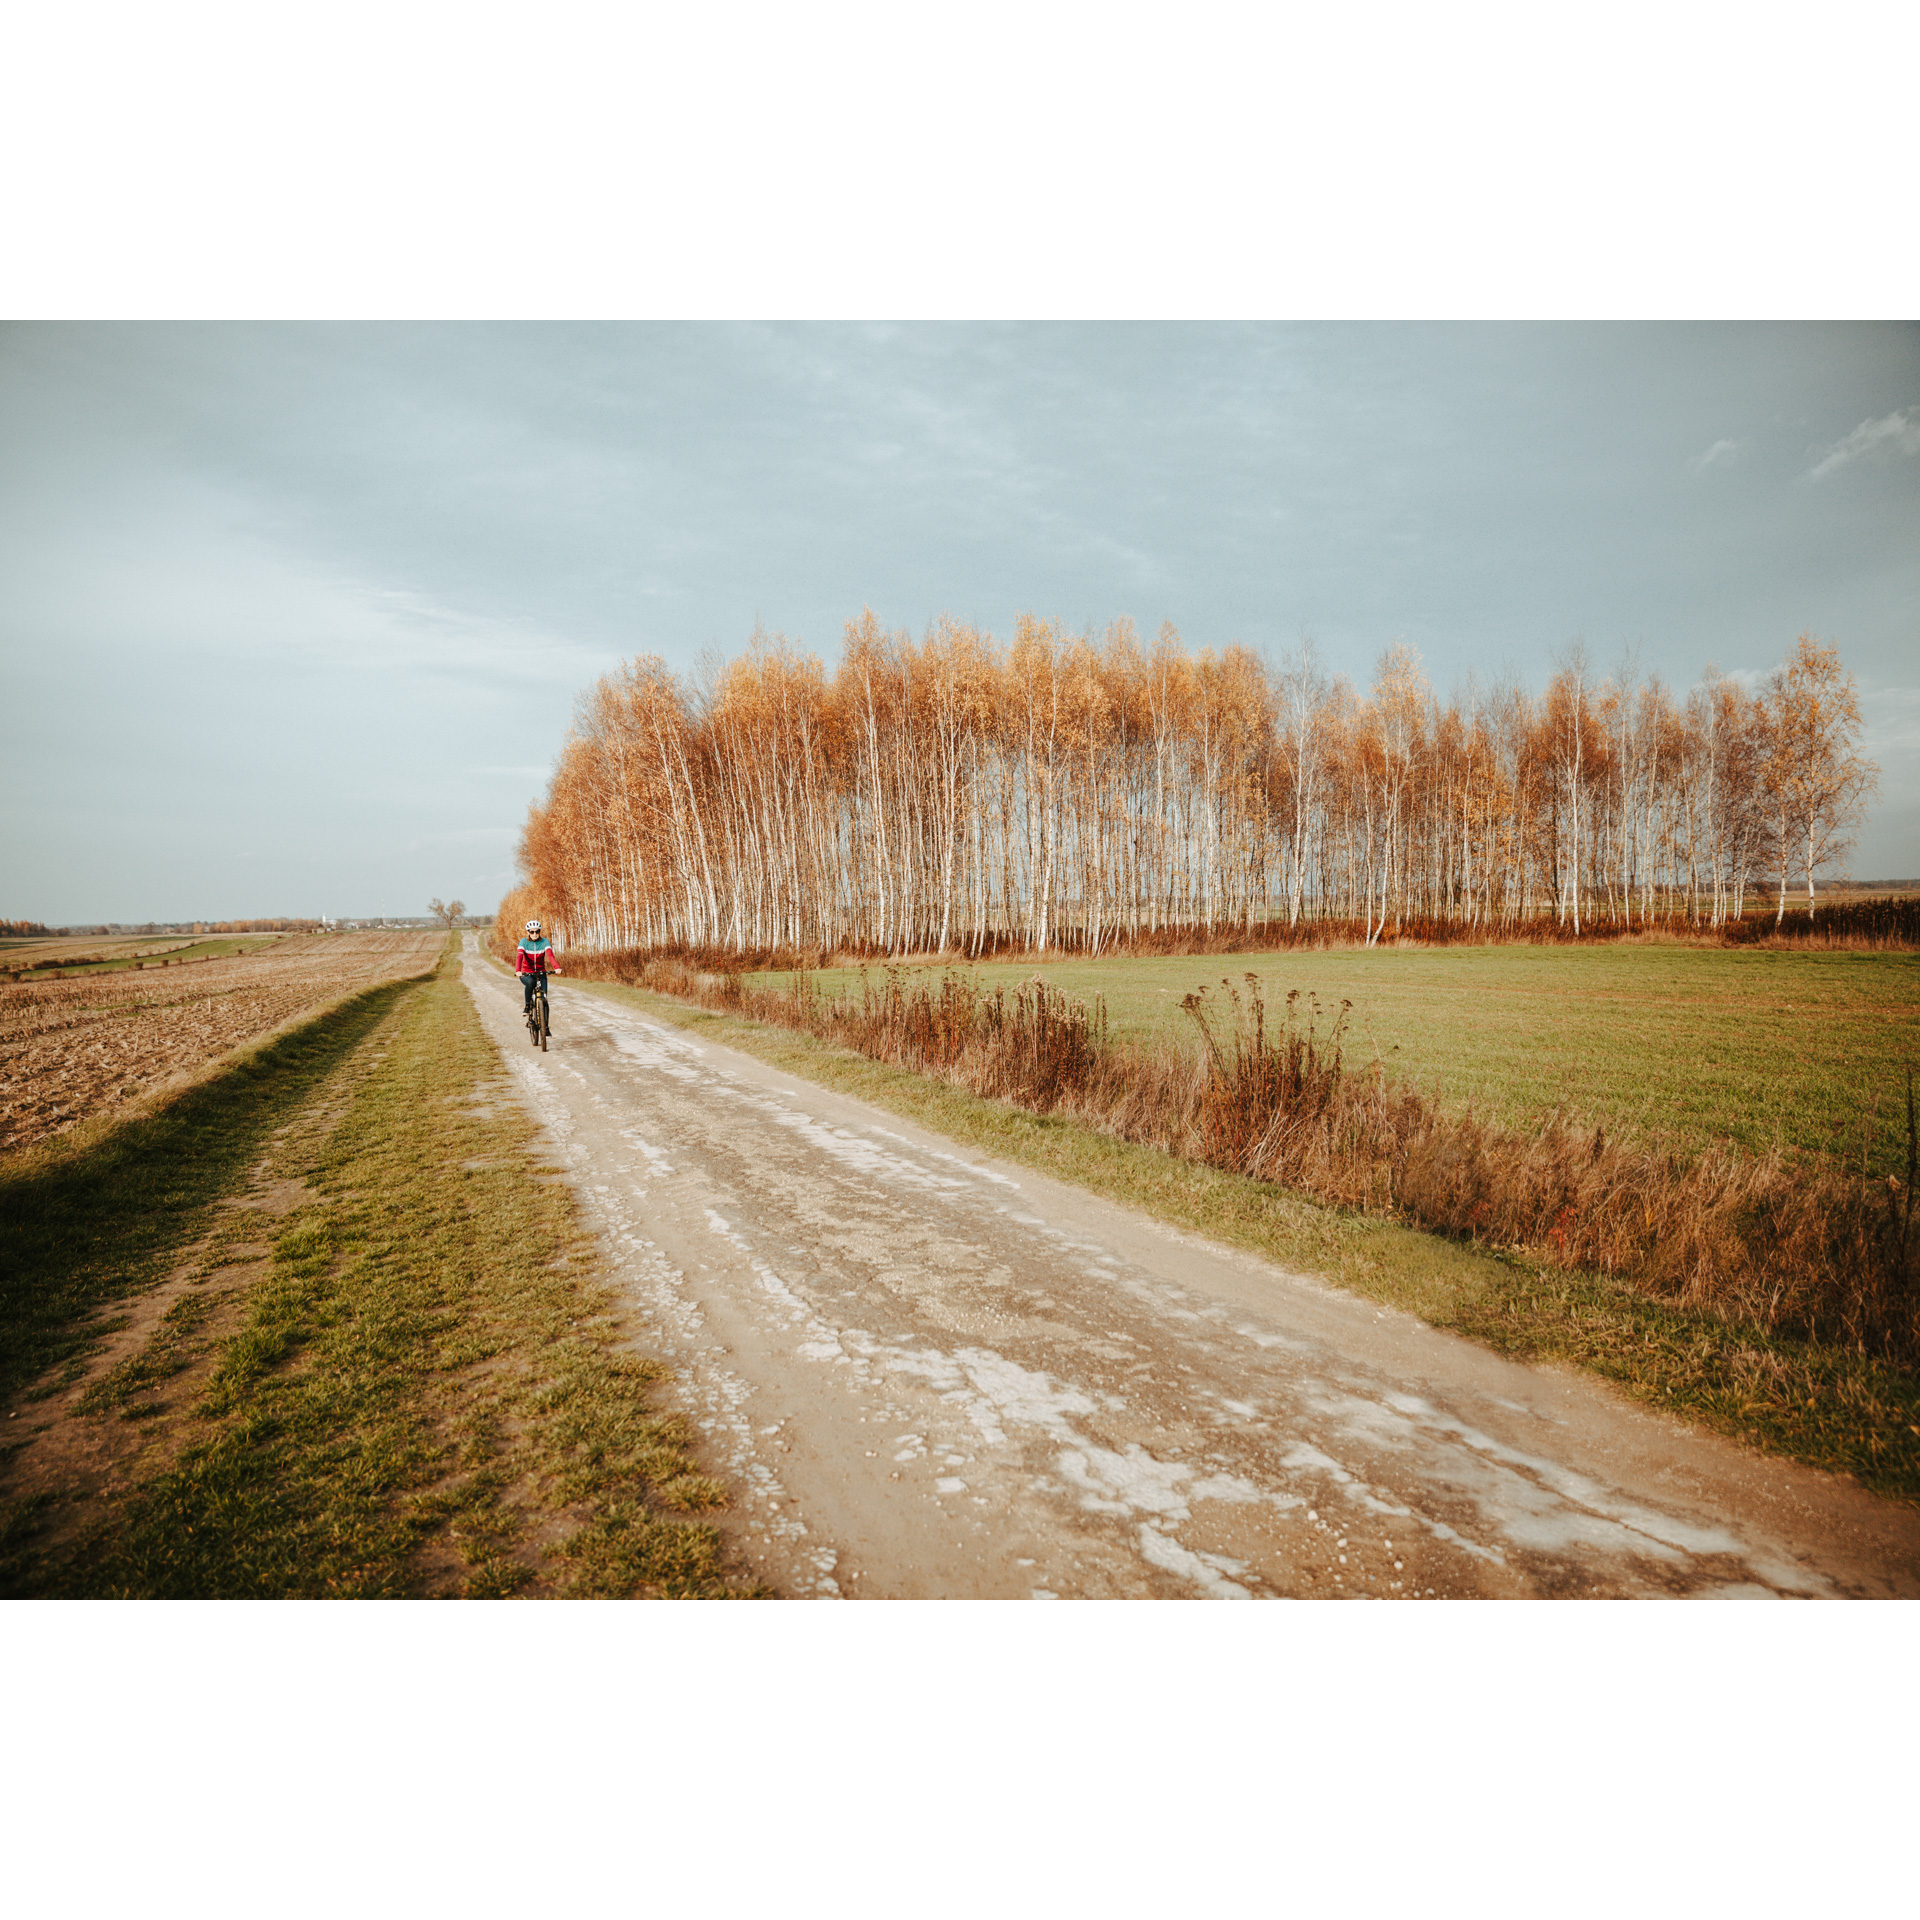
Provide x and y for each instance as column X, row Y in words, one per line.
column 927, row 1374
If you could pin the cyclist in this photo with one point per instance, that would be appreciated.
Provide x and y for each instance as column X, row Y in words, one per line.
column 534, row 958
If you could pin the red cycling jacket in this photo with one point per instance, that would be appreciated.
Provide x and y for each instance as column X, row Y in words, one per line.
column 534, row 956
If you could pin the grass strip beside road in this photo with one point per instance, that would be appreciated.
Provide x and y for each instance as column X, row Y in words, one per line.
column 425, row 1391
column 1837, row 1410
column 87, row 1224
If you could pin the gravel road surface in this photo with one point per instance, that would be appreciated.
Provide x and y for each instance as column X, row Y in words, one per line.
column 929, row 1374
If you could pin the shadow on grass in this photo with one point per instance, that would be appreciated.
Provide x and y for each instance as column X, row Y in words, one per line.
column 95, row 1224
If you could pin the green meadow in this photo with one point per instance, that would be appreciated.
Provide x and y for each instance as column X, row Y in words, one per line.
column 1659, row 1042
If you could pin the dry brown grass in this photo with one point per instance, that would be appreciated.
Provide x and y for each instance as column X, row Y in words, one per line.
column 1790, row 1243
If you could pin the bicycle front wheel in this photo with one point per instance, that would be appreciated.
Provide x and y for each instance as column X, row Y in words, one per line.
column 540, row 1014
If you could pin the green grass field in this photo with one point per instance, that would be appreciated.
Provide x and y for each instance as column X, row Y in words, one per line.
column 1658, row 1042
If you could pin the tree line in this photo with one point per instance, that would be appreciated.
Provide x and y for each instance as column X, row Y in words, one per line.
column 954, row 793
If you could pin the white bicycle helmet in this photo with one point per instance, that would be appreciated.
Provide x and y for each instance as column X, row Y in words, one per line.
column 533, row 926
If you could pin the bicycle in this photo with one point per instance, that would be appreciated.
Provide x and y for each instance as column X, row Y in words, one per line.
column 537, row 1012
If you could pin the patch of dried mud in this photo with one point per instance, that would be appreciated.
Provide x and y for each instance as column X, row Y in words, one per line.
column 70, row 1049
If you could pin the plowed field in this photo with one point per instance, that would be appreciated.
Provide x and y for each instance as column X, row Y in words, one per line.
column 72, row 1048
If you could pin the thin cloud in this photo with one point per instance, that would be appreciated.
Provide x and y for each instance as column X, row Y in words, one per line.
column 1892, row 731
column 464, row 836
column 1891, row 433
column 1720, row 454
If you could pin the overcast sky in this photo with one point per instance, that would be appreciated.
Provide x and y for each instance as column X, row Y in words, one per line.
column 293, row 617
